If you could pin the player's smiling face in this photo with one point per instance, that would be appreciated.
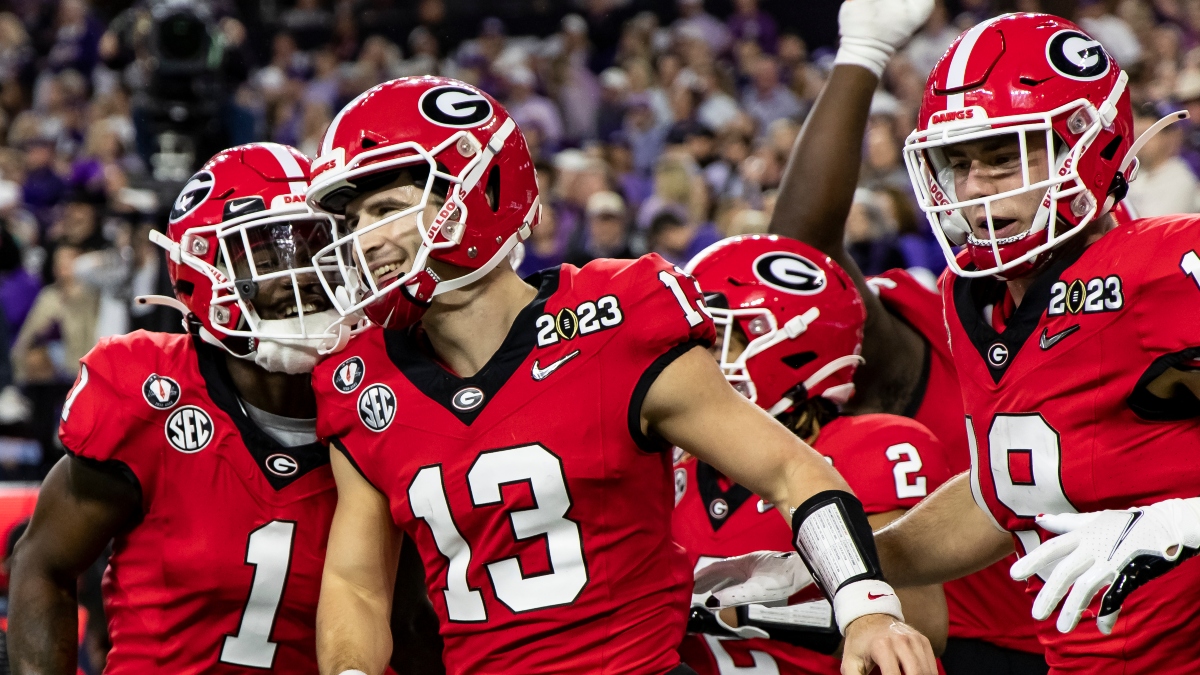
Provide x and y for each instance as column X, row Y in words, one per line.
column 991, row 166
column 391, row 247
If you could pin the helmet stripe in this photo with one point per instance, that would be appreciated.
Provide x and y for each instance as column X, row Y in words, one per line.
column 291, row 168
column 958, row 65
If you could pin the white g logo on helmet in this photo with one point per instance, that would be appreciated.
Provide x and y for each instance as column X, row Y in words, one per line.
column 455, row 107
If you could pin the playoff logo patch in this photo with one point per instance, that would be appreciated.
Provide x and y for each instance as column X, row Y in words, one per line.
column 349, row 375
column 162, row 393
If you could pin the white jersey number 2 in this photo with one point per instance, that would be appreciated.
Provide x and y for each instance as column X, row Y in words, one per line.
column 542, row 470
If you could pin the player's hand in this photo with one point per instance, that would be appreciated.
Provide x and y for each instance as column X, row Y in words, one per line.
column 881, row 641
column 1118, row 549
column 872, row 30
column 760, row 577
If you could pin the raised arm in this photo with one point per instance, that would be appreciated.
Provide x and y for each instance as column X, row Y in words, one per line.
column 692, row 406
column 354, row 613
column 822, row 174
column 81, row 506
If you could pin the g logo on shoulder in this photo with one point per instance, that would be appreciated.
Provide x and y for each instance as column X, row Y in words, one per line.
column 192, row 195
column 790, row 273
column 455, row 107
column 1076, row 56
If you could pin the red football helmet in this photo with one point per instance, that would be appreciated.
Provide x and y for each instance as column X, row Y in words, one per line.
column 798, row 310
column 239, row 224
column 1036, row 79
column 465, row 140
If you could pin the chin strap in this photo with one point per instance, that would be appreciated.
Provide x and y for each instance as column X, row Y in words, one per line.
column 1131, row 160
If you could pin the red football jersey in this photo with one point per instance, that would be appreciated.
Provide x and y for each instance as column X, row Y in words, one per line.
column 1062, row 422
column 222, row 573
column 890, row 462
column 542, row 512
column 986, row 605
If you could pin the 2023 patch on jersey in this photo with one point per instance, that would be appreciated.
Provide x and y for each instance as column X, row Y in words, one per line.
column 1062, row 422
column 540, row 509
column 890, row 462
column 987, row 605
column 222, row 573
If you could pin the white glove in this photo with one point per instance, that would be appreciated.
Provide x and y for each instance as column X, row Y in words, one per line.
column 761, row 577
column 1118, row 549
column 872, row 30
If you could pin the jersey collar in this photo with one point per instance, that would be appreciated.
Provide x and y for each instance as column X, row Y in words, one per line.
column 719, row 505
column 262, row 447
column 971, row 295
column 410, row 352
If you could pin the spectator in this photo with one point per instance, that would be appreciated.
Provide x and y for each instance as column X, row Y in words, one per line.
column 543, row 248
column 1111, row 31
column 1164, row 183
column 43, row 187
column 749, row 23
column 766, row 100
column 693, row 18
column 607, row 231
column 18, row 287
column 614, row 84
column 77, row 223
column 60, row 328
column 644, row 134
column 530, row 109
column 870, row 235
column 324, row 87
column 927, row 46
column 679, row 239
column 76, row 38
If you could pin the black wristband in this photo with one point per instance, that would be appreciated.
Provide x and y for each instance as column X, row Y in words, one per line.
column 839, row 530
column 823, row 639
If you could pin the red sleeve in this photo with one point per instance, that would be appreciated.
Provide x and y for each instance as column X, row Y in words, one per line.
column 101, row 418
column 890, row 462
column 664, row 318
column 1165, row 293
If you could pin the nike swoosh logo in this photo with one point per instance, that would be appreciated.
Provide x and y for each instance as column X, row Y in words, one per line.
column 1049, row 341
column 540, row 374
column 1133, row 518
column 234, row 208
column 873, row 596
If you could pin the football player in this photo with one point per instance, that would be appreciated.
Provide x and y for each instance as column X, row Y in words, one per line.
column 518, row 430
column 1073, row 336
column 197, row 454
column 909, row 369
column 789, row 326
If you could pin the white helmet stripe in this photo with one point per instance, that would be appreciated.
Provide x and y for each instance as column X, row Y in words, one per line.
column 958, row 64
column 291, row 168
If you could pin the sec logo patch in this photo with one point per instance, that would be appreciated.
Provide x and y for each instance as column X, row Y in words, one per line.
column 377, row 407
column 189, row 429
column 162, row 393
column 349, row 375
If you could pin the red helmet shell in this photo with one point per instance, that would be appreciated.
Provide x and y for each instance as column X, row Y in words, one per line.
column 459, row 131
column 245, row 183
column 1015, row 72
column 768, row 285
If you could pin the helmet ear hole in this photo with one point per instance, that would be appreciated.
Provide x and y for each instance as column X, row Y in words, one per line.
column 492, row 190
column 798, row 361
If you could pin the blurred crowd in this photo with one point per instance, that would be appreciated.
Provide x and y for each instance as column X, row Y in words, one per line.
column 660, row 130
